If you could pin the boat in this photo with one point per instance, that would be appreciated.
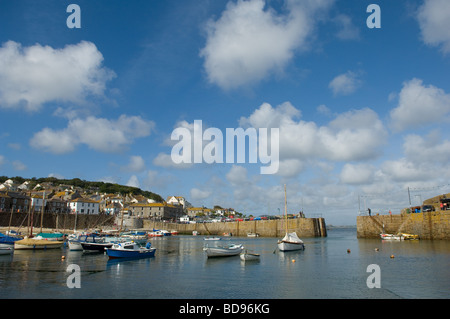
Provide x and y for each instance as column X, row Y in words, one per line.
column 51, row 236
column 135, row 236
column 252, row 235
column 75, row 243
column 194, row 233
column 290, row 241
column 174, row 232
column 410, row 236
column 96, row 247
column 385, row 236
column 246, row 256
column 224, row 251
column 130, row 250
column 36, row 243
column 8, row 240
column 6, row 250
column 212, row 238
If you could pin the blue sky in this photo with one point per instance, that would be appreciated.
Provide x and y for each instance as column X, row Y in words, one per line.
column 363, row 113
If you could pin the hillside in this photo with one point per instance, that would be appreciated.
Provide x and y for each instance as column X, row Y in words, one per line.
column 100, row 187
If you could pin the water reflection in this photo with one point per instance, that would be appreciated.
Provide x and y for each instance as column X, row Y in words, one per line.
column 180, row 269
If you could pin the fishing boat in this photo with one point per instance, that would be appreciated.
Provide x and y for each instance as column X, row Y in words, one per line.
column 75, row 243
column 96, row 247
column 290, row 241
column 246, row 256
column 224, row 251
column 36, row 243
column 130, row 250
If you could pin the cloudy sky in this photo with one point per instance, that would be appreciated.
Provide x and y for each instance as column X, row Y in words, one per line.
column 363, row 113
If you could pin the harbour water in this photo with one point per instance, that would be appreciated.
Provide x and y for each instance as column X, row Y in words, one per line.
column 329, row 268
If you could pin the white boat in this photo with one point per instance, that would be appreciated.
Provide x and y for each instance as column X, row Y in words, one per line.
column 212, row 238
column 290, row 241
column 390, row 236
column 246, row 256
column 6, row 250
column 224, row 251
column 252, row 235
column 135, row 236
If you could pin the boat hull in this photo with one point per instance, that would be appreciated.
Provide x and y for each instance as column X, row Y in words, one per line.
column 6, row 250
column 96, row 247
column 33, row 244
column 223, row 252
column 134, row 254
column 390, row 237
column 249, row 257
column 290, row 246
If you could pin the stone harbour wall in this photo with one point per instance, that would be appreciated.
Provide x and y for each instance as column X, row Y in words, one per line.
column 305, row 227
column 428, row 225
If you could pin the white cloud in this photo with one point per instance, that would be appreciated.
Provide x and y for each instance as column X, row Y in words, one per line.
column 346, row 29
column 165, row 160
column 357, row 174
column 19, row 166
column 427, row 149
column 403, row 170
column 136, row 164
column 198, row 194
column 419, row 106
column 2, row 160
column 434, row 22
column 133, row 181
column 345, row 84
column 251, row 41
column 35, row 75
column 97, row 133
column 351, row 136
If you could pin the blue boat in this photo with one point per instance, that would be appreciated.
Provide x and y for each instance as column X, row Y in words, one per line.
column 8, row 240
column 130, row 250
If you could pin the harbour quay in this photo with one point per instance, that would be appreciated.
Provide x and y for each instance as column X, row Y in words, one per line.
column 428, row 225
column 305, row 227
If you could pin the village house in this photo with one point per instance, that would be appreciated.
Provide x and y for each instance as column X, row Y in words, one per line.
column 158, row 211
column 198, row 211
column 14, row 201
column 84, row 206
column 178, row 200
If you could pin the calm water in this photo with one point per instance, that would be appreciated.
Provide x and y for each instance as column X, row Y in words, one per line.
column 181, row 270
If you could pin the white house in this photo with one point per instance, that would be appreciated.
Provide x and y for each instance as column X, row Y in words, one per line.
column 84, row 206
column 38, row 201
column 178, row 200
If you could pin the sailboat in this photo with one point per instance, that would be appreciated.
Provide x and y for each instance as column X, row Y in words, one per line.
column 290, row 241
column 38, row 242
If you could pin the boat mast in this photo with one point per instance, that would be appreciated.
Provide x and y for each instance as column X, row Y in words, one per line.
column 42, row 212
column 285, row 208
